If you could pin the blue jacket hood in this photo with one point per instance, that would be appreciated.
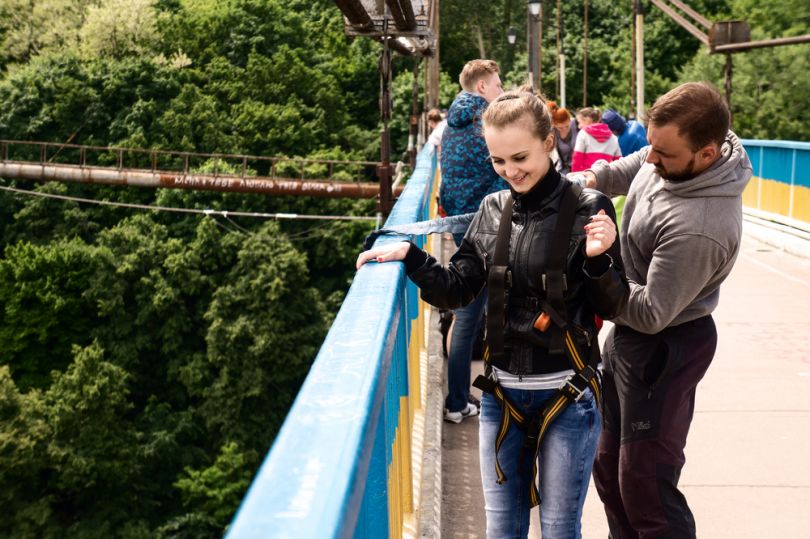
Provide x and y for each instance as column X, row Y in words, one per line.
column 467, row 173
column 633, row 139
column 465, row 108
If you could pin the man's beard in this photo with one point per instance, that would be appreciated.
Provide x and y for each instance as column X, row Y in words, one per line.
column 681, row 176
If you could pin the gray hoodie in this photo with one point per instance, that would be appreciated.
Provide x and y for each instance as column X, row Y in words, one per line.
column 679, row 239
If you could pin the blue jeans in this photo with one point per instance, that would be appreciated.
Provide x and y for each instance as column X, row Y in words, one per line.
column 564, row 467
column 465, row 331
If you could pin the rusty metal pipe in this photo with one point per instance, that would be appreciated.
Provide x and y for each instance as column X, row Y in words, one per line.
column 737, row 47
column 231, row 184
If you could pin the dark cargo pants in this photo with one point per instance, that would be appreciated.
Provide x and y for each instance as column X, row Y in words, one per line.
column 649, row 400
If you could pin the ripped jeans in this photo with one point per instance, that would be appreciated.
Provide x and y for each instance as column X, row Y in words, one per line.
column 564, row 467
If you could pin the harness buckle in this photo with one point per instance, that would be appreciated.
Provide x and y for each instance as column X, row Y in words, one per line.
column 564, row 282
column 532, row 432
column 570, row 389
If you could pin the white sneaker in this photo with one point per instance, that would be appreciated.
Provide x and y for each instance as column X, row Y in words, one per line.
column 457, row 417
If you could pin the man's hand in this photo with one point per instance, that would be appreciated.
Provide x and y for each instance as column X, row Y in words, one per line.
column 591, row 179
column 386, row 253
column 601, row 233
column 586, row 178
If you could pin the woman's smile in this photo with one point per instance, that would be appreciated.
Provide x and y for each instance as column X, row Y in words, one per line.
column 518, row 156
column 517, row 179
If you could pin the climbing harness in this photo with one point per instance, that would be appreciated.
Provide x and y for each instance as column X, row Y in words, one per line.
column 555, row 285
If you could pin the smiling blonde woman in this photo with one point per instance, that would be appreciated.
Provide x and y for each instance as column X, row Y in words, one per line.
column 547, row 252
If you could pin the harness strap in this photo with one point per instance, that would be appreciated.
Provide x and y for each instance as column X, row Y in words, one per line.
column 509, row 413
column 536, row 427
column 498, row 284
column 554, row 280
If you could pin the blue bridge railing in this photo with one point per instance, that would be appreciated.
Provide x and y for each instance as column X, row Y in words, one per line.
column 341, row 464
column 781, row 184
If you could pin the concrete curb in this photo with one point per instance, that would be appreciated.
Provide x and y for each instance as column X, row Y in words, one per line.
column 789, row 239
column 430, row 516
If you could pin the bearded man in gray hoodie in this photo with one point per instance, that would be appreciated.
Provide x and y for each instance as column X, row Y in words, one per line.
column 680, row 237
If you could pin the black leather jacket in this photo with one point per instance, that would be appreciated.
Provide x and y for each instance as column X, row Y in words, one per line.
column 603, row 290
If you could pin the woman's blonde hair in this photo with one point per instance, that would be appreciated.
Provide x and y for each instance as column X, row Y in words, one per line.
column 590, row 113
column 522, row 104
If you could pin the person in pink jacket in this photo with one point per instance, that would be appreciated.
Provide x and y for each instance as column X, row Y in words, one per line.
column 595, row 141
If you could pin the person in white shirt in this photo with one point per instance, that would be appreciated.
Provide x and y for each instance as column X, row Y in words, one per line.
column 436, row 123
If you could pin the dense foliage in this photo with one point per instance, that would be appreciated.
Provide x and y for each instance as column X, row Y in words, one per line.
column 149, row 358
column 770, row 86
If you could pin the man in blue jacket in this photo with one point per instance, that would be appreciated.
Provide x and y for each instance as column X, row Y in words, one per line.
column 632, row 135
column 467, row 173
column 467, row 177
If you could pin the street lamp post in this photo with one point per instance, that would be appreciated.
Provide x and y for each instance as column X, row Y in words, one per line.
column 638, row 11
column 562, row 80
column 535, row 42
column 511, row 38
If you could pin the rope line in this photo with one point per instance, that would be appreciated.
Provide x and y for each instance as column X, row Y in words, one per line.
column 209, row 212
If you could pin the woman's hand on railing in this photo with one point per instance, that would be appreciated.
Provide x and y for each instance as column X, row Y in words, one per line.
column 601, row 233
column 386, row 253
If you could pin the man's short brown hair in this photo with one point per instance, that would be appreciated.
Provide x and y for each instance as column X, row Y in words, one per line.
column 699, row 111
column 475, row 70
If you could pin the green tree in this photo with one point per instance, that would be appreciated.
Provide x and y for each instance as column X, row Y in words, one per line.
column 66, row 448
column 24, row 435
column 31, row 27
column 41, row 220
column 468, row 26
column 212, row 493
column 264, row 327
column 46, row 306
column 92, row 452
column 120, row 28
